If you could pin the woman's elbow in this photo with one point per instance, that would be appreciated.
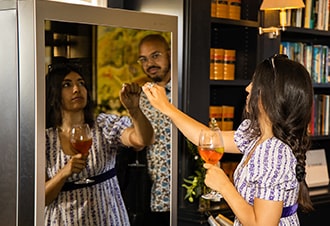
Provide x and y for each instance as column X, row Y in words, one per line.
column 148, row 140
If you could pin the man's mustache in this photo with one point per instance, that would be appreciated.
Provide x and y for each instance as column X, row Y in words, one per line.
column 151, row 67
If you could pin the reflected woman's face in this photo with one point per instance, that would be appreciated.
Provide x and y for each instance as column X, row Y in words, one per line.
column 74, row 92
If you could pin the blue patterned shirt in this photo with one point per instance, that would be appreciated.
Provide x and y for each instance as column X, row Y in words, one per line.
column 159, row 155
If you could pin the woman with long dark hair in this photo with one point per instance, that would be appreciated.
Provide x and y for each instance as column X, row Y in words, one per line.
column 269, row 182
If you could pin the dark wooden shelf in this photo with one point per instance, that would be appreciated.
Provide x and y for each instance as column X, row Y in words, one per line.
column 241, row 23
column 240, row 82
column 189, row 217
column 320, row 195
column 321, row 85
column 244, row 82
column 311, row 32
column 311, row 36
column 320, row 137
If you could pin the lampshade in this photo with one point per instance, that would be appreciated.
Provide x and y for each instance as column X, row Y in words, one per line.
column 281, row 4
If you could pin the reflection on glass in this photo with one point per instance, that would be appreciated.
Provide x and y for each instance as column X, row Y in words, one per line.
column 109, row 55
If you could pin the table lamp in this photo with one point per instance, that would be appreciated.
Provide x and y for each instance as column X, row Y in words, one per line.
column 281, row 5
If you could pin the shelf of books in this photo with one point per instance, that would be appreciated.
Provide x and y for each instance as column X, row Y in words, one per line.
column 320, row 121
column 307, row 40
column 315, row 15
column 234, row 47
column 230, row 9
column 314, row 54
column 232, row 60
column 315, row 57
column 224, row 116
column 233, row 53
column 232, row 56
column 222, row 64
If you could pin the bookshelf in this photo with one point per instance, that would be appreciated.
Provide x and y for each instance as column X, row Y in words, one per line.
column 314, row 37
column 204, row 32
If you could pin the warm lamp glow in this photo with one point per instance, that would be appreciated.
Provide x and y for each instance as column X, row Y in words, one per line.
column 281, row 5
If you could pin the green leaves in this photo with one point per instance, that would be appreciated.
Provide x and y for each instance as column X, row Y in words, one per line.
column 190, row 186
column 194, row 184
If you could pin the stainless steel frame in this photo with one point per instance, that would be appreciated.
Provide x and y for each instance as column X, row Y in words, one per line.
column 9, row 150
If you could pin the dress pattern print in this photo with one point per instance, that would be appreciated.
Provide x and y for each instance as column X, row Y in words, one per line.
column 100, row 204
column 269, row 174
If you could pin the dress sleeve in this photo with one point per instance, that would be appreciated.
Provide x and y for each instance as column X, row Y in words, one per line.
column 112, row 126
column 242, row 137
column 272, row 170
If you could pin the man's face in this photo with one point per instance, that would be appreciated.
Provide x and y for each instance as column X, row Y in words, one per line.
column 155, row 61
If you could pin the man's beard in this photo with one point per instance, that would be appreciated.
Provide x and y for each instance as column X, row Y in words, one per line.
column 159, row 78
column 156, row 79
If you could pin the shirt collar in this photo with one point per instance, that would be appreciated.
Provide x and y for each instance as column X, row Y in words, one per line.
column 168, row 88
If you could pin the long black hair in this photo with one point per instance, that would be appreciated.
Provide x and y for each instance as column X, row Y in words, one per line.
column 286, row 92
column 54, row 79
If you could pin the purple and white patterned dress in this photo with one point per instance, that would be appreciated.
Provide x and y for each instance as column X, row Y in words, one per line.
column 269, row 174
column 100, row 204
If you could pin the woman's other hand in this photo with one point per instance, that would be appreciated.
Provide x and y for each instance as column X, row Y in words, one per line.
column 215, row 177
column 75, row 165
